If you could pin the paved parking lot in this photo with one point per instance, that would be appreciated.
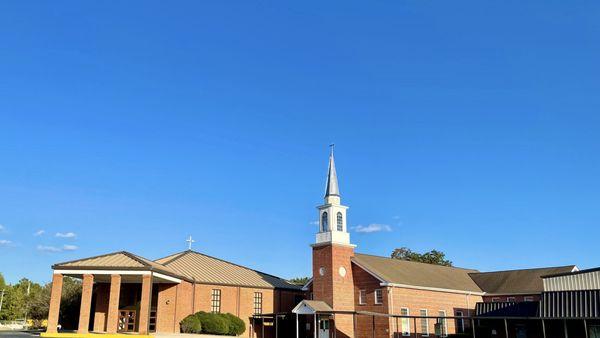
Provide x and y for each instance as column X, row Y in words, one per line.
column 17, row 334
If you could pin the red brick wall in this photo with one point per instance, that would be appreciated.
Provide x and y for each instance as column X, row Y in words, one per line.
column 433, row 302
column 184, row 302
column 332, row 288
column 364, row 324
column 322, row 286
column 166, row 309
column 240, row 301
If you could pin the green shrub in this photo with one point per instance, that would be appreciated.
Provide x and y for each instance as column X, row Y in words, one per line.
column 236, row 325
column 191, row 324
column 213, row 323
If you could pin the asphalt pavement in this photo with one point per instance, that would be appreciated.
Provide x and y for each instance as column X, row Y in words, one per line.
column 18, row 334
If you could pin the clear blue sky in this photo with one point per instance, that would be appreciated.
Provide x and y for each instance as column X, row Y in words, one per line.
column 471, row 127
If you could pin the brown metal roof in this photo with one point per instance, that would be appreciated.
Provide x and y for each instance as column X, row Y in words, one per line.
column 526, row 281
column 210, row 270
column 111, row 260
column 118, row 260
column 396, row 271
column 189, row 265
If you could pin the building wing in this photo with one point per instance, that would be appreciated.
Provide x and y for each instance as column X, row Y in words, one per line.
column 514, row 282
column 402, row 273
column 189, row 265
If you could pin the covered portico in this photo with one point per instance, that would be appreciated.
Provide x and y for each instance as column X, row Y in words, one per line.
column 322, row 317
column 119, row 286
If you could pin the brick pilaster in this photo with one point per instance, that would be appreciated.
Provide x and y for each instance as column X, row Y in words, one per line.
column 112, row 322
column 86, row 303
column 144, row 315
column 55, row 295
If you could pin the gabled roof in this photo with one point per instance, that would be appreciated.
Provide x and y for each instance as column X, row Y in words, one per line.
column 311, row 307
column 526, row 281
column 210, row 270
column 419, row 275
column 189, row 265
column 122, row 260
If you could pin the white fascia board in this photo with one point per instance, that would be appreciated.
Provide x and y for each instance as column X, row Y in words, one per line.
column 165, row 277
column 303, row 309
column 474, row 293
column 117, row 272
column 101, row 272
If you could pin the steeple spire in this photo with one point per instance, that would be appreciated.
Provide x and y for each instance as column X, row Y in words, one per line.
column 332, row 214
column 332, row 188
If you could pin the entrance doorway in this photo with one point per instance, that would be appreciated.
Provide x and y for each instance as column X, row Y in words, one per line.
column 324, row 328
column 127, row 321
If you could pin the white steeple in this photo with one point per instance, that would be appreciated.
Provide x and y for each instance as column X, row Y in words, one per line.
column 332, row 214
column 332, row 189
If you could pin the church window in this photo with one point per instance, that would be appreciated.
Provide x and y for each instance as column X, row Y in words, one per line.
column 405, row 321
column 442, row 328
column 460, row 323
column 324, row 222
column 258, row 303
column 340, row 222
column 215, row 302
column 424, row 323
column 362, row 297
column 378, row 296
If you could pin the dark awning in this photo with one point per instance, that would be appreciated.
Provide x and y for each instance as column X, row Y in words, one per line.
column 507, row 309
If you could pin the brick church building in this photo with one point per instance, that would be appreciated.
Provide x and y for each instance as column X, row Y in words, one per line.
column 349, row 295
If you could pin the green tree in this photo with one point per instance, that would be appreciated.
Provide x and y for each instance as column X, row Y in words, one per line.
column 39, row 302
column 430, row 257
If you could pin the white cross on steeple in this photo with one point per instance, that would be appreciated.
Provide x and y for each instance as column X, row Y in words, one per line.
column 190, row 241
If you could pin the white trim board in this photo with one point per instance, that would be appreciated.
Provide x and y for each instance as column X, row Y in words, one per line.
column 117, row 272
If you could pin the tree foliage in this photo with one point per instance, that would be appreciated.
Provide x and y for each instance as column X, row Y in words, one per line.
column 430, row 257
column 27, row 299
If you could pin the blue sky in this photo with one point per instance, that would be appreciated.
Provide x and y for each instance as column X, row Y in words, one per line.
column 470, row 127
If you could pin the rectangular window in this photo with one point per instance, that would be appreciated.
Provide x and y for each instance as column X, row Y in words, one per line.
column 258, row 303
column 441, row 328
column 460, row 323
column 528, row 298
column 405, row 321
column 378, row 296
column 215, row 301
column 510, row 299
column 362, row 297
column 495, row 299
column 424, row 323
